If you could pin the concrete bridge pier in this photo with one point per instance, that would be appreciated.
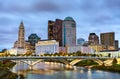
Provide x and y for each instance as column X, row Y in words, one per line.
column 30, row 67
column 69, row 66
column 118, row 60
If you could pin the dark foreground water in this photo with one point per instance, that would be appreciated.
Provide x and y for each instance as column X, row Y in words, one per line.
column 46, row 71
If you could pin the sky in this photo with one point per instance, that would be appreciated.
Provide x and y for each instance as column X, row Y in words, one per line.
column 96, row 16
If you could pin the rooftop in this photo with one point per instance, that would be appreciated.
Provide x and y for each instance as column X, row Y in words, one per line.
column 69, row 19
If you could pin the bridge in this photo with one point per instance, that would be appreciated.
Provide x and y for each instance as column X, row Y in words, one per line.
column 67, row 60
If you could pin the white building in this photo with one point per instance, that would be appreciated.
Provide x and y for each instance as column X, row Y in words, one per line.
column 16, row 51
column 110, row 53
column 47, row 46
column 82, row 49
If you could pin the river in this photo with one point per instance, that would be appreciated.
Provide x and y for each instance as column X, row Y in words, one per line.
column 47, row 70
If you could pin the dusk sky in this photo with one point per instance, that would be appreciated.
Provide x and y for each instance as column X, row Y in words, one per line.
column 97, row 16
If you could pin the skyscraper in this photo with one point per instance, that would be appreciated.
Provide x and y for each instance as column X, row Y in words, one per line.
column 21, row 37
column 51, row 26
column 58, row 31
column 69, row 32
column 93, row 39
column 107, row 39
column 55, row 30
column 116, row 44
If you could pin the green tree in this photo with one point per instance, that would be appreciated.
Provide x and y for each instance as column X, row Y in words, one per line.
column 114, row 61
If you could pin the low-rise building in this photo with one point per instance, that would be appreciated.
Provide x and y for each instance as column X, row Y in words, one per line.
column 2, row 54
column 17, row 51
column 82, row 49
column 47, row 47
column 62, row 50
column 98, row 47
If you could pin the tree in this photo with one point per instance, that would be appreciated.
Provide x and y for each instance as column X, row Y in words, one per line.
column 78, row 53
column 114, row 61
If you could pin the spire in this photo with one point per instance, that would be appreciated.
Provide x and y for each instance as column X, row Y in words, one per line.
column 21, row 36
column 21, row 25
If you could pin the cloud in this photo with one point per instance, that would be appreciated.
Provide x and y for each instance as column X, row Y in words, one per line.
column 112, row 4
column 98, row 15
column 46, row 6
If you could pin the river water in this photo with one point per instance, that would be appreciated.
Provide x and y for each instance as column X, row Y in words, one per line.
column 47, row 70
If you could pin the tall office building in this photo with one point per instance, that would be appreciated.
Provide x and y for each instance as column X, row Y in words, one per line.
column 69, row 32
column 21, row 37
column 55, row 30
column 51, row 25
column 20, row 44
column 58, row 31
column 116, row 44
column 107, row 39
column 93, row 39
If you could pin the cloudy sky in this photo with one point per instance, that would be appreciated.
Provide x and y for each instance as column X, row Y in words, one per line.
column 90, row 15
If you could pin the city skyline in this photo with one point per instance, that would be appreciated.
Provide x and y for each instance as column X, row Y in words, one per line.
column 97, row 16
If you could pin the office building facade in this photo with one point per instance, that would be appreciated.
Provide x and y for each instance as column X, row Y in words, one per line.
column 108, row 39
column 47, row 47
column 69, row 32
column 93, row 39
column 21, row 37
column 55, row 30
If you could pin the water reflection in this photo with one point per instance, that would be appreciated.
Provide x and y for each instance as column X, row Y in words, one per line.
column 46, row 70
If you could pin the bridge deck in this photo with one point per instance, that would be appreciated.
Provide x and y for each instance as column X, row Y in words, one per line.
column 50, row 57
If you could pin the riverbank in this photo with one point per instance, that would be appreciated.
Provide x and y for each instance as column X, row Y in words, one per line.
column 113, row 68
column 93, row 65
column 5, row 72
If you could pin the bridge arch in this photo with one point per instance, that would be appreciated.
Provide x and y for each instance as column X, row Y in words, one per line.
column 76, row 61
column 100, row 62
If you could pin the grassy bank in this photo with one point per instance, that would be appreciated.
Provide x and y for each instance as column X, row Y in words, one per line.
column 114, row 68
column 5, row 73
column 86, row 63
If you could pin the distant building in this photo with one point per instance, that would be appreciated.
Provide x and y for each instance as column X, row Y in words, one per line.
column 86, row 43
column 58, row 31
column 98, row 47
column 33, row 38
column 93, row 39
column 20, row 44
column 47, row 47
column 55, row 30
column 2, row 54
column 80, row 41
column 27, row 47
column 69, row 32
column 116, row 44
column 51, row 34
column 21, row 37
column 108, row 39
column 62, row 50
column 17, row 51
column 82, row 49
